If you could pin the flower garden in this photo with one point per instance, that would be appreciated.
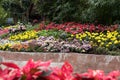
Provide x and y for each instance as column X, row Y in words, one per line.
column 81, row 34
column 66, row 37
column 60, row 38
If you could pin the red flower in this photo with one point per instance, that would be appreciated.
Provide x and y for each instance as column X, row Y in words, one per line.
column 92, row 28
column 112, row 75
column 10, row 74
column 9, row 64
column 40, row 70
column 65, row 73
column 91, row 75
column 33, row 69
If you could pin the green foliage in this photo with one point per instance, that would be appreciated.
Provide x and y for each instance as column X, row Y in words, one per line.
column 4, row 36
column 102, row 11
column 103, row 51
column 54, row 33
column 31, row 27
column 3, row 15
column 99, row 11
column 17, row 8
column 92, row 11
column 114, row 53
column 61, row 10
column 99, row 50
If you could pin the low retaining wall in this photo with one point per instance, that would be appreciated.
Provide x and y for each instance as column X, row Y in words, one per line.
column 80, row 62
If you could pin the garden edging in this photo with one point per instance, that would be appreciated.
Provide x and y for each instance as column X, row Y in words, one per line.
column 80, row 62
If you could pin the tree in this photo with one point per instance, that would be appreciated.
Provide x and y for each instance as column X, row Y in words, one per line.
column 85, row 11
column 102, row 11
column 19, row 9
column 61, row 10
column 3, row 15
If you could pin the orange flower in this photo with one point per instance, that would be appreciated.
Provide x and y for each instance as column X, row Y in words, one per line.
column 25, row 46
column 17, row 47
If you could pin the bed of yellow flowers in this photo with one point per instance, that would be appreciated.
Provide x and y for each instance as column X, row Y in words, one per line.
column 27, row 35
column 5, row 46
column 103, row 39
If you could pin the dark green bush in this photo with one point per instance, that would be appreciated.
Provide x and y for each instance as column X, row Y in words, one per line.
column 114, row 53
column 98, row 50
column 3, row 15
column 90, row 11
column 104, row 11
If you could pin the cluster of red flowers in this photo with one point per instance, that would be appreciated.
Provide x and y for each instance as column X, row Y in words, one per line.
column 74, row 28
column 3, row 31
column 42, row 71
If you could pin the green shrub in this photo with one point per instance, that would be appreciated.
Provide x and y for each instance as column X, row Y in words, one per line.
column 102, row 11
column 91, row 11
column 99, row 11
column 3, row 16
column 55, row 33
column 98, row 50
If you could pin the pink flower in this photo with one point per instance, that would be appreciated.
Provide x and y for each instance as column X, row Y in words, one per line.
column 34, row 69
column 10, row 74
column 113, row 75
column 64, row 73
column 3, row 31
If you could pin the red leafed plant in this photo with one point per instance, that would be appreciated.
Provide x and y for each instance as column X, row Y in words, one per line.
column 75, row 28
column 38, row 70
column 64, row 73
column 32, row 70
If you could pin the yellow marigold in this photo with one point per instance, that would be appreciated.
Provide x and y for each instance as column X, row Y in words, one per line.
column 24, row 36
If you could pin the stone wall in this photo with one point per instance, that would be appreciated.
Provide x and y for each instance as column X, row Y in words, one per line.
column 80, row 62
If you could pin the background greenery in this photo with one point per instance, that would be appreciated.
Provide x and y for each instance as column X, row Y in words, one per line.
column 84, row 11
column 3, row 15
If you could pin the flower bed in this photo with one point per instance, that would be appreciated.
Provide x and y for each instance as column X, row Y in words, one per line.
column 24, row 36
column 75, row 28
column 90, row 39
column 63, row 38
column 42, row 71
column 109, row 40
column 50, row 44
